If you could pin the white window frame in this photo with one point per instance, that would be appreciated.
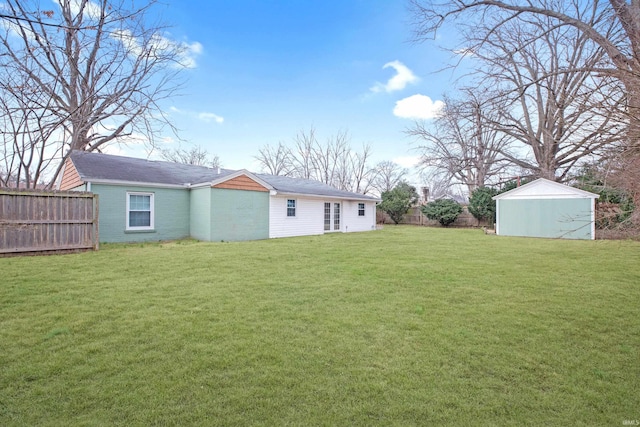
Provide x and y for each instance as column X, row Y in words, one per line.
column 363, row 211
column 151, row 208
column 295, row 206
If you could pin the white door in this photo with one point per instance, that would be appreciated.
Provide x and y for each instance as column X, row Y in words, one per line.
column 332, row 216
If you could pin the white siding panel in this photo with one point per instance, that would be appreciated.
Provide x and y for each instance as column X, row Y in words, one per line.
column 309, row 217
column 353, row 222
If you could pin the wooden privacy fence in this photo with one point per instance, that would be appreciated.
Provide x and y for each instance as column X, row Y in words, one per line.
column 41, row 221
column 416, row 217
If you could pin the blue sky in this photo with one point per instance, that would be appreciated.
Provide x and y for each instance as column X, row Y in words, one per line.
column 264, row 70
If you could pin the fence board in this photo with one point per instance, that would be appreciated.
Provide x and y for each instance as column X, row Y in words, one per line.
column 40, row 221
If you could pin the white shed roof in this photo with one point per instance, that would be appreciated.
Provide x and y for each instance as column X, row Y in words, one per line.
column 545, row 189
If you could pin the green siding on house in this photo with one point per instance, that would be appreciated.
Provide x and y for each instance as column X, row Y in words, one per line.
column 171, row 211
column 200, row 213
column 554, row 218
column 239, row 215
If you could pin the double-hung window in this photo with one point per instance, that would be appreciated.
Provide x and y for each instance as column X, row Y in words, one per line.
column 291, row 207
column 140, row 211
column 360, row 209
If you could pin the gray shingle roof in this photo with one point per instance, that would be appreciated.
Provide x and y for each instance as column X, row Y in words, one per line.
column 106, row 167
column 285, row 184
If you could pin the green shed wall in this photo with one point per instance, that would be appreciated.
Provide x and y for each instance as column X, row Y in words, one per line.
column 554, row 218
column 200, row 213
column 171, row 214
column 239, row 215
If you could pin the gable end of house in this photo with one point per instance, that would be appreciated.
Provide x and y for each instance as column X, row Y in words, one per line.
column 70, row 177
column 241, row 182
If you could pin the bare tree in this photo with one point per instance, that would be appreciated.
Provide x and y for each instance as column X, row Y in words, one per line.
column 330, row 160
column 88, row 73
column 333, row 162
column 559, row 108
column 360, row 171
column 620, row 42
column 275, row 161
column 387, row 175
column 463, row 142
column 302, row 154
column 196, row 155
column 26, row 133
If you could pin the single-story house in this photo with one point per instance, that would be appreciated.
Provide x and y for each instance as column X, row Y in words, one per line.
column 144, row 200
column 545, row 208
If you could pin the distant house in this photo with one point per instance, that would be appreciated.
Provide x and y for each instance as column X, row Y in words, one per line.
column 545, row 208
column 144, row 200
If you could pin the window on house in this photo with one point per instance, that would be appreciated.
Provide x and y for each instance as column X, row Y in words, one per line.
column 360, row 209
column 140, row 211
column 291, row 207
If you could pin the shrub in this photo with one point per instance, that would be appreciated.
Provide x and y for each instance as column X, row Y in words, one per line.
column 397, row 202
column 445, row 211
column 481, row 204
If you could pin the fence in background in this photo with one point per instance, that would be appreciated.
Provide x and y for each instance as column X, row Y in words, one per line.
column 416, row 217
column 33, row 221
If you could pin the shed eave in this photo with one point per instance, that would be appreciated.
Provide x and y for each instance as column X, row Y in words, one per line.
column 564, row 191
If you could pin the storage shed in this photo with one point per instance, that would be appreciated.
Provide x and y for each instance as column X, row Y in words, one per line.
column 545, row 208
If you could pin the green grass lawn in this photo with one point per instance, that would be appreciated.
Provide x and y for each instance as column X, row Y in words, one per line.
column 403, row 326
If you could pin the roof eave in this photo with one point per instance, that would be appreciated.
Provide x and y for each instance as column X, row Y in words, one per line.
column 325, row 196
column 132, row 183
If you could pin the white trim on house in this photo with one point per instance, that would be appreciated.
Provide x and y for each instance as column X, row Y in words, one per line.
column 133, row 183
column 60, row 175
column 151, row 225
column 320, row 196
column 231, row 176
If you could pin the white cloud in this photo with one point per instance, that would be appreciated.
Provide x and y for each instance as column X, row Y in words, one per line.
column 204, row 115
column 91, row 9
column 207, row 117
column 407, row 161
column 114, row 149
column 167, row 140
column 417, row 107
column 464, row 52
column 128, row 40
column 399, row 81
column 185, row 53
column 188, row 54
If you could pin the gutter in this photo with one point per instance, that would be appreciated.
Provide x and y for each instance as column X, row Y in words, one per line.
column 324, row 196
column 133, row 183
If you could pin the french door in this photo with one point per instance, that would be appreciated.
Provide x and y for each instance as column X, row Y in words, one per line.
column 332, row 214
